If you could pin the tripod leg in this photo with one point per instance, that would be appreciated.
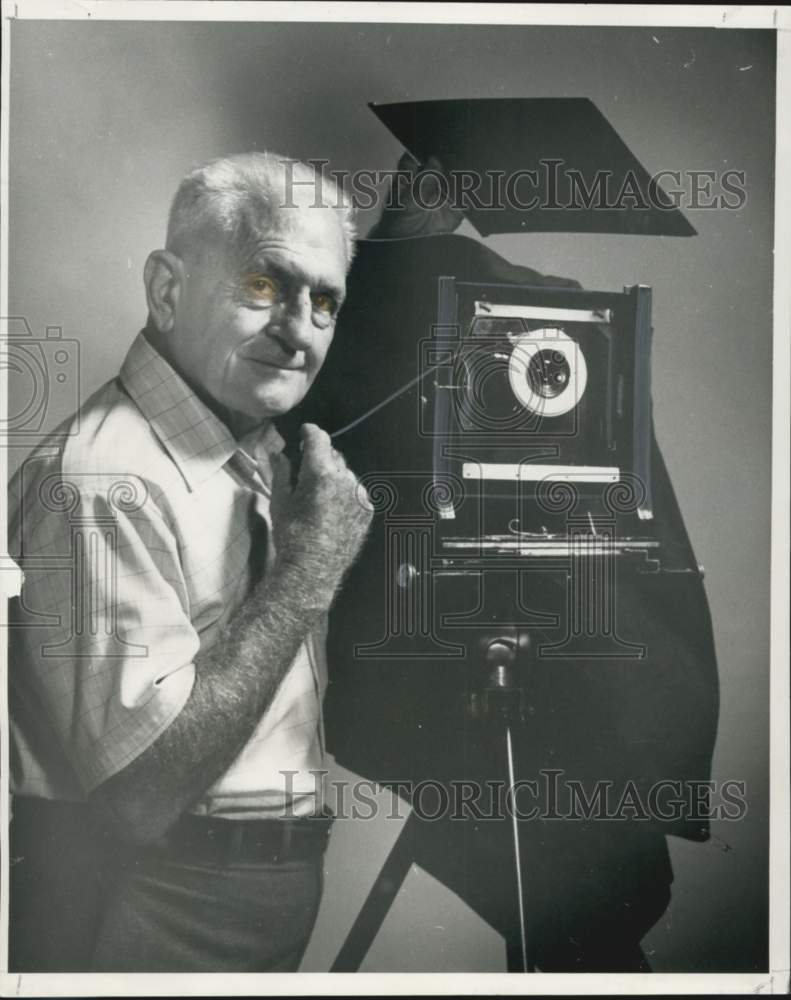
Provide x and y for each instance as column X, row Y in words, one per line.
column 521, row 963
column 376, row 906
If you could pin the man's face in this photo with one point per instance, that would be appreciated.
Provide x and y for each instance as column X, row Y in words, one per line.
column 254, row 321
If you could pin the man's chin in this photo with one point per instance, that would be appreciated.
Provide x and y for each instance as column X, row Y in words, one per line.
column 276, row 405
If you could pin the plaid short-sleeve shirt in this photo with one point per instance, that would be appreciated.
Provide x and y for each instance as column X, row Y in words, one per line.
column 139, row 528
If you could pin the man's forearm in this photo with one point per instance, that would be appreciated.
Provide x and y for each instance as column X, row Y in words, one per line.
column 235, row 682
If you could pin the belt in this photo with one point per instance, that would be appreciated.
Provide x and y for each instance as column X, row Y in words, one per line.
column 227, row 841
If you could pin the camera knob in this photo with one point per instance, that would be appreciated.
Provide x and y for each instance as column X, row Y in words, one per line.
column 501, row 653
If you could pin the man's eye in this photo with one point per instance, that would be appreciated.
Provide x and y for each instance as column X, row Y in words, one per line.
column 325, row 303
column 262, row 288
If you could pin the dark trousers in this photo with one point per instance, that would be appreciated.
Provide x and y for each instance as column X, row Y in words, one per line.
column 164, row 916
column 80, row 903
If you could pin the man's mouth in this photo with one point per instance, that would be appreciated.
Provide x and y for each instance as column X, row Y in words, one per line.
column 275, row 365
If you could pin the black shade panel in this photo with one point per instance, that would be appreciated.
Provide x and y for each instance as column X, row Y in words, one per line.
column 584, row 180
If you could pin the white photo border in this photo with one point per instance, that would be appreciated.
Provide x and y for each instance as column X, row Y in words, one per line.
column 776, row 979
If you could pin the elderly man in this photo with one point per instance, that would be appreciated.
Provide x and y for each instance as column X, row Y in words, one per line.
column 167, row 667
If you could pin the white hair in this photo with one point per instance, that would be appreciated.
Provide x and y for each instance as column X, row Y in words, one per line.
column 220, row 192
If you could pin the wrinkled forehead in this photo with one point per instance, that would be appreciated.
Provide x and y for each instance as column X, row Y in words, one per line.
column 301, row 222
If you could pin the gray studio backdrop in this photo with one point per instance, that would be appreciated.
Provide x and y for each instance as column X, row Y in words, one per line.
column 105, row 117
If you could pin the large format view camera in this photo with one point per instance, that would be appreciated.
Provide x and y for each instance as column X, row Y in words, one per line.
column 507, row 447
column 540, row 412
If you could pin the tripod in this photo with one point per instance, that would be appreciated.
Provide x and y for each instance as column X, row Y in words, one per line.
column 499, row 704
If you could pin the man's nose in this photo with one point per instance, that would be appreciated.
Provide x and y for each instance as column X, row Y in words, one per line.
column 296, row 321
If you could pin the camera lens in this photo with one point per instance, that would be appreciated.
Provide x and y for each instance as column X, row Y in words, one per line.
column 548, row 373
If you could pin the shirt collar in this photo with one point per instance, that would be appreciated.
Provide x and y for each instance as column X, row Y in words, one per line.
column 198, row 441
column 254, row 451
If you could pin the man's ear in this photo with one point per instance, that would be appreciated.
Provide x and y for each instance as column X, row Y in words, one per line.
column 164, row 278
